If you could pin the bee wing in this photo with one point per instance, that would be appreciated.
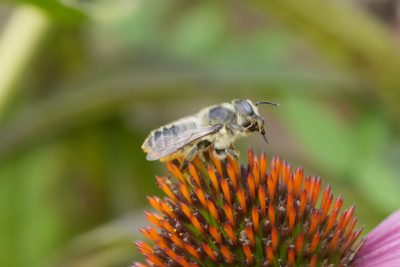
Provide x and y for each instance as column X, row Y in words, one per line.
column 171, row 144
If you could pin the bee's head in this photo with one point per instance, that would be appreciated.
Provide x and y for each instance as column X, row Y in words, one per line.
column 249, row 118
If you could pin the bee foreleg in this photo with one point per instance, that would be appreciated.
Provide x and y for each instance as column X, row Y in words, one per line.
column 220, row 153
column 232, row 152
column 232, row 128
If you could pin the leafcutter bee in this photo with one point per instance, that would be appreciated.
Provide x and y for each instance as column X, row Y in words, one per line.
column 218, row 126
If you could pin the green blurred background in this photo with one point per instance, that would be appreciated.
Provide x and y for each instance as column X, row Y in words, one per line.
column 83, row 82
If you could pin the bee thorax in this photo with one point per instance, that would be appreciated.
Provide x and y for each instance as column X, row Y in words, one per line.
column 225, row 138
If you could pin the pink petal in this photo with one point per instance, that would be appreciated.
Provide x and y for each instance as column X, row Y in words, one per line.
column 382, row 247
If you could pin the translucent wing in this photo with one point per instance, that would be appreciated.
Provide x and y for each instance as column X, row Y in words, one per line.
column 170, row 144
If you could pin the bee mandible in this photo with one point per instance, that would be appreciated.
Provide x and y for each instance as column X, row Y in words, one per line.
column 218, row 126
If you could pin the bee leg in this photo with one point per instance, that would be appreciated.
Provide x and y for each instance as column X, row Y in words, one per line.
column 203, row 146
column 232, row 147
column 192, row 153
column 196, row 149
column 233, row 127
column 223, row 153
column 232, row 152
column 184, row 164
column 180, row 162
column 220, row 153
column 176, row 162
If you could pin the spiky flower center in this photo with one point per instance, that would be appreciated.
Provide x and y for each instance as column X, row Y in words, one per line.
column 217, row 213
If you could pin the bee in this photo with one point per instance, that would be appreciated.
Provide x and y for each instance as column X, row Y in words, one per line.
column 218, row 126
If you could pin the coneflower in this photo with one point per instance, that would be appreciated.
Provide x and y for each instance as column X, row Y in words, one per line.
column 217, row 213
column 382, row 245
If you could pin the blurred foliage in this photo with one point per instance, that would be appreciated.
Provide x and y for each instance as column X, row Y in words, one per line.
column 58, row 11
column 94, row 77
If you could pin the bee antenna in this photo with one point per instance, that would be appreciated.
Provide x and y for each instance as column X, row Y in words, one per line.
column 268, row 103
